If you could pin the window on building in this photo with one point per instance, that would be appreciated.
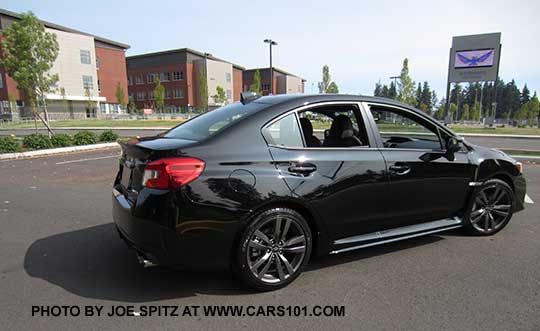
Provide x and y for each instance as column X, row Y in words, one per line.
column 265, row 87
column 228, row 77
column 141, row 95
column 130, row 80
column 178, row 93
column 139, row 79
column 97, row 62
column 165, row 76
column 151, row 78
column 229, row 94
column 167, row 94
column 150, row 95
column 85, row 57
column 178, row 75
column 1, row 82
column 131, row 97
column 88, row 82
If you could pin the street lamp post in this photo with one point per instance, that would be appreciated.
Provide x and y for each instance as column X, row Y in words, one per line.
column 271, row 42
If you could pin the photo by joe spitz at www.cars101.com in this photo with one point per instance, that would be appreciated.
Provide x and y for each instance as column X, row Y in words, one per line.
column 251, row 186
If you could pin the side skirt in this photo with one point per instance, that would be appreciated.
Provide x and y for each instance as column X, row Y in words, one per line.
column 387, row 236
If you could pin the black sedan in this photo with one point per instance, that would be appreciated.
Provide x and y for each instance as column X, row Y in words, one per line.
column 263, row 184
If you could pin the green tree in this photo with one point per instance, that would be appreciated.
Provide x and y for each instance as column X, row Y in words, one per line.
column 475, row 112
column 256, row 86
column 510, row 102
column 426, row 96
column 525, row 95
column 378, row 92
column 220, row 96
column 90, row 104
column 120, row 95
column 392, row 91
column 523, row 112
column 465, row 114
column 203, row 89
column 440, row 111
column 385, row 91
column 27, row 53
column 332, row 88
column 326, row 80
column 453, row 110
column 418, row 95
column 159, row 95
column 406, row 85
column 534, row 110
column 327, row 85
column 434, row 100
column 64, row 99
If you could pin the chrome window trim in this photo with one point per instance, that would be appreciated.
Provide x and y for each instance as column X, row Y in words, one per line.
column 437, row 126
column 305, row 107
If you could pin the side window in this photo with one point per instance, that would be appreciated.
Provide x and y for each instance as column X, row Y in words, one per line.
column 284, row 132
column 333, row 126
column 400, row 129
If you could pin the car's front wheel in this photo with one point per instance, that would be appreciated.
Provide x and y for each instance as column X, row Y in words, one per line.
column 274, row 248
column 491, row 208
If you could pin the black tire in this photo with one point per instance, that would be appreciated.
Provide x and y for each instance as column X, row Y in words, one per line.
column 485, row 218
column 253, row 247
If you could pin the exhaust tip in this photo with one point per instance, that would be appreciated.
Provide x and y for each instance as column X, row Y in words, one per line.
column 145, row 261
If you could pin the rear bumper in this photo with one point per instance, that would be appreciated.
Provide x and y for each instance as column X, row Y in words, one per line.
column 170, row 243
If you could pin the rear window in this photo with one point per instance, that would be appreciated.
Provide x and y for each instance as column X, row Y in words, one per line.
column 212, row 122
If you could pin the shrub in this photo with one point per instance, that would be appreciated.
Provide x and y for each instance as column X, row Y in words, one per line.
column 61, row 140
column 85, row 138
column 8, row 144
column 108, row 136
column 37, row 141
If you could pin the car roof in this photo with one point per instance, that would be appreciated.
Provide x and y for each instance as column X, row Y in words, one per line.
column 299, row 99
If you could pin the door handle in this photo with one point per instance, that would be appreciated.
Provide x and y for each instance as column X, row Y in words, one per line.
column 400, row 168
column 303, row 168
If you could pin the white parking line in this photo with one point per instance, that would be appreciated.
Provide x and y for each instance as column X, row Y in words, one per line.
column 88, row 159
column 528, row 199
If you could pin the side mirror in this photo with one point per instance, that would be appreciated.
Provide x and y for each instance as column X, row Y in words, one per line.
column 453, row 145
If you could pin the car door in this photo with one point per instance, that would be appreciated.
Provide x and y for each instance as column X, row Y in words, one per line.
column 343, row 185
column 424, row 184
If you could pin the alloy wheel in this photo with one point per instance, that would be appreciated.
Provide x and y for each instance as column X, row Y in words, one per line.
column 491, row 209
column 276, row 249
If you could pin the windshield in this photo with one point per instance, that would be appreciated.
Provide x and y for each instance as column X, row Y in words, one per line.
column 212, row 122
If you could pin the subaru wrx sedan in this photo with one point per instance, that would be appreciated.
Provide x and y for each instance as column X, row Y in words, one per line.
column 264, row 184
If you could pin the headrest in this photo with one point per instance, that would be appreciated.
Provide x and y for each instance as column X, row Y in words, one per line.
column 306, row 125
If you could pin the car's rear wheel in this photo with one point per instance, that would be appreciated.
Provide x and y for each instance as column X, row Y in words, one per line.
column 274, row 248
column 491, row 208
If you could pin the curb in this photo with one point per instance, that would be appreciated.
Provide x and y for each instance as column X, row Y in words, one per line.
column 54, row 151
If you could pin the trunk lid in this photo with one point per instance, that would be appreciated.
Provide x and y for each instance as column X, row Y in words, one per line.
column 137, row 153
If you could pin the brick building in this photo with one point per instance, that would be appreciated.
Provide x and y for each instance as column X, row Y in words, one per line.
column 85, row 62
column 284, row 82
column 180, row 72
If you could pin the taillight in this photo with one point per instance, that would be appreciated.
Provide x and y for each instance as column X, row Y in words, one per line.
column 172, row 172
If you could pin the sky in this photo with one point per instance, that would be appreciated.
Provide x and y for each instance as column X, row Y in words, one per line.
column 361, row 41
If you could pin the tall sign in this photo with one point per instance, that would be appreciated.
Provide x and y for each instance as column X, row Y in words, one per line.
column 474, row 58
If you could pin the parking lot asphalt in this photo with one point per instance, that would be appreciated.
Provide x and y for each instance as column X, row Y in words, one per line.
column 58, row 246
